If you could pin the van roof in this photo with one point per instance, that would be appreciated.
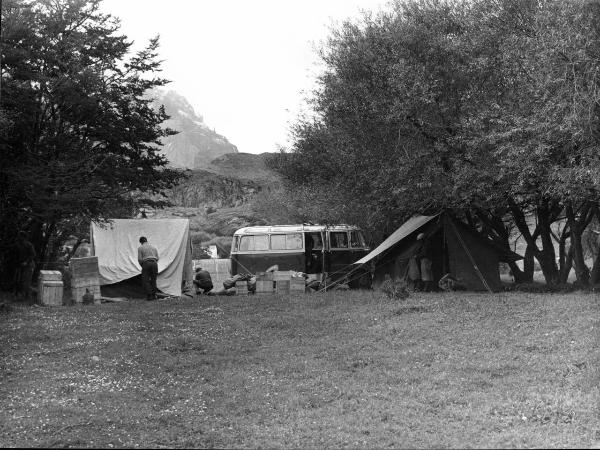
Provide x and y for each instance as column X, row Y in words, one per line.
column 266, row 229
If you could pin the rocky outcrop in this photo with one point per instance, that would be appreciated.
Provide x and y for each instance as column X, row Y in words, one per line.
column 196, row 145
column 205, row 189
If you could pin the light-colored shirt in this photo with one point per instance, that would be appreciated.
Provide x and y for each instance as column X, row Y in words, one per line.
column 146, row 252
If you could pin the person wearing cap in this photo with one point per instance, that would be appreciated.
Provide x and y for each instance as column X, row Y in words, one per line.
column 202, row 281
column 425, row 257
column 413, row 274
column 148, row 259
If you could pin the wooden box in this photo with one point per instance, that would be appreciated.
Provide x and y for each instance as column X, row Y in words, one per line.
column 265, row 286
column 241, row 287
column 84, row 267
column 282, row 275
column 297, row 285
column 51, row 292
column 50, row 275
column 282, row 286
column 77, row 293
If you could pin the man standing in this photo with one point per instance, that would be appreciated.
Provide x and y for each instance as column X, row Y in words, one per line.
column 25, row 259
column 425, row 255
column 148, row 259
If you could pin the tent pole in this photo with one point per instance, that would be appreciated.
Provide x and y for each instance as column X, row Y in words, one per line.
column 473, row 263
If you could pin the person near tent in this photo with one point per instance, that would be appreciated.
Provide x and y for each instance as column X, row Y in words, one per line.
column 424, row 254
column 203, row 281
column 148, row 259
column 413, row 275
column 25, row 265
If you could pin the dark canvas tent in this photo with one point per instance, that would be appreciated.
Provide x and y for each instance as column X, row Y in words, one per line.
column 116, row 243
column 458, row 251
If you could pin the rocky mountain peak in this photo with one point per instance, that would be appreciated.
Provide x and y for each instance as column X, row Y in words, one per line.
column 196, row 144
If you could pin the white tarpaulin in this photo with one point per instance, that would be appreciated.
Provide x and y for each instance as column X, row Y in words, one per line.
column 116, row 246
column 408, row 227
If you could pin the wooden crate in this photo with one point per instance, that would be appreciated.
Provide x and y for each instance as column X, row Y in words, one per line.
column 241, row 287
column 297, row 285
column 77, row 293
column 85, row 282
column 84, row 267
column 282, row 275
column 265, row 286
column 51, row 293
column 282, row 286
column 50, row 275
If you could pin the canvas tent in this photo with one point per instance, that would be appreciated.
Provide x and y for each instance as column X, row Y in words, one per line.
column 116, row 246
column 458, row 251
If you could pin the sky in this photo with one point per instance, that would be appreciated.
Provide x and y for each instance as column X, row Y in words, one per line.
column 246, row 66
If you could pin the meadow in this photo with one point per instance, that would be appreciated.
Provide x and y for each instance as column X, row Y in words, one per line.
column 340, row 369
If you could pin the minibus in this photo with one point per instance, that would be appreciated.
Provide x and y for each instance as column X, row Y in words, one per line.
column 312, row 249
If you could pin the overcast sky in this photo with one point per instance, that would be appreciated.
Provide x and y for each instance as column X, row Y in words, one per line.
column 244, row 65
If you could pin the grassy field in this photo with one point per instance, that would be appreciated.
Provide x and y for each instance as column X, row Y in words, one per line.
column 334, row 370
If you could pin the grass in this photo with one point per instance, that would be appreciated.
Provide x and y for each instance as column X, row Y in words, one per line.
column 335, row 370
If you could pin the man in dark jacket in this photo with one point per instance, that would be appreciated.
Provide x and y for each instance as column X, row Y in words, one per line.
column 148, row 259
column 202, row 281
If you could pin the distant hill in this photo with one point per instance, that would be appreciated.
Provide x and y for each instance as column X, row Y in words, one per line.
column 228, row 181
column 196, row 144
column 244, row 166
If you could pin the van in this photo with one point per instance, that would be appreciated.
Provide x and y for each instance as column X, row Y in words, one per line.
column 312, row 249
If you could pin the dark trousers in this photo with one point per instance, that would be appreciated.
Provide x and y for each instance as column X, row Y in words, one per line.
column 203, row 286
column 149, row 273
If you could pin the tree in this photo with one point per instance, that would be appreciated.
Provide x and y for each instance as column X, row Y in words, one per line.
column 82, row 139
column 486, row 108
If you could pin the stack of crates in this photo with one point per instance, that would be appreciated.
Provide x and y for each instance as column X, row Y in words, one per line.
column 265, row 283
column 85, row 276
column 297, row 285
column 282, row 281
column 50, row 288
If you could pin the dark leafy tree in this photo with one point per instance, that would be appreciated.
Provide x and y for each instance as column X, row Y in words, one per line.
column 80, row 138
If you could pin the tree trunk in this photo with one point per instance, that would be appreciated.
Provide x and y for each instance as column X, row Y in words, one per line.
column 565, row 270
column 581, row 270
column 595, row 275
column 528, row 265
column 546, row 256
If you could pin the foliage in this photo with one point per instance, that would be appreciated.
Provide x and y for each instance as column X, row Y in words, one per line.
column 83, row 140
column 487, row 108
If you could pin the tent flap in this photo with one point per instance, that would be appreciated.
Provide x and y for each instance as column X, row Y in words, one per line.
column 116, row 246
column 407, row 228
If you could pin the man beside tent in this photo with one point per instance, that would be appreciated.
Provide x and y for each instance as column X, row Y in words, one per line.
column 424, row 254
column 148, row 259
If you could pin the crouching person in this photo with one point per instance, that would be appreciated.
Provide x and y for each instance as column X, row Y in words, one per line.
column 202, row 281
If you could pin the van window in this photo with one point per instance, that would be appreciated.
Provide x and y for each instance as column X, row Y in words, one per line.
column 235, row 243
column 317, row 243
column 252, row 243
column 293, row 241
column 261, row 242
column 356, row 239
column 278, row 242
column 339, row 239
